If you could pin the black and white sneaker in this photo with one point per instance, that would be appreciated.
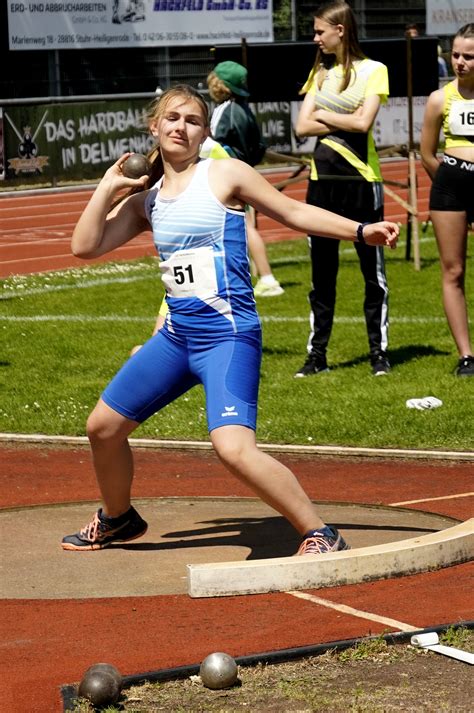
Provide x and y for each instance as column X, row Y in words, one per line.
column 380, row 364
column 465, row 366
column 103, row 531
column 314, row 364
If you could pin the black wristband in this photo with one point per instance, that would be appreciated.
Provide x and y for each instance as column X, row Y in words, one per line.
column 360, row 232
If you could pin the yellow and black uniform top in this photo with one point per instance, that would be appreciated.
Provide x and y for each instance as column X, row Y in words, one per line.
column 347, row 153
column 458, row 118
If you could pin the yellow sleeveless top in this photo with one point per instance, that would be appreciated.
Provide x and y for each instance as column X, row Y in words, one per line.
column 458, row 118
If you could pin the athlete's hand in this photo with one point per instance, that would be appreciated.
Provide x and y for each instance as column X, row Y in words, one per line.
column 383, row 233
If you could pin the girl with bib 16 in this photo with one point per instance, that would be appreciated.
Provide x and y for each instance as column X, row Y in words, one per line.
column 451, row 109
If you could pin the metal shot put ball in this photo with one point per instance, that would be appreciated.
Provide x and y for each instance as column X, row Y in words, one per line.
column 100, row 688
column 218, row 670
column 108, row 668
column 135, row 166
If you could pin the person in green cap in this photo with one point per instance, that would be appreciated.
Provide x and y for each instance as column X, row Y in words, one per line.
column 234, row 128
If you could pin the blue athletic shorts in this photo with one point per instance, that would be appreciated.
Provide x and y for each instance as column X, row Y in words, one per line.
column 168, row 366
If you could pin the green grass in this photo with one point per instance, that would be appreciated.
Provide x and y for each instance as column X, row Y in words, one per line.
column 66, row 333
column 368, row 649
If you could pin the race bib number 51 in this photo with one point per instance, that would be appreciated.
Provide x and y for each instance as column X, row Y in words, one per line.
column 461, row 118
column 190, row 273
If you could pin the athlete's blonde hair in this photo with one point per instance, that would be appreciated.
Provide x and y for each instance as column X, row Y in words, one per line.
column 154, row 112
column 157, row 109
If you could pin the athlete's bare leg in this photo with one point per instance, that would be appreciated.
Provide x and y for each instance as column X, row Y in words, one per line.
column 273, row 482
column 112, row 457
column 451, row 234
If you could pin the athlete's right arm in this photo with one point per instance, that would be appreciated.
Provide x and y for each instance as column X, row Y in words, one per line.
column 432, row 122
column 100, row 229
column 306, row 125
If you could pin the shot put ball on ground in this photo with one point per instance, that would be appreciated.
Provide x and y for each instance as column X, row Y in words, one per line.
column 101, row 685
column 109, row 668
column 218, row 670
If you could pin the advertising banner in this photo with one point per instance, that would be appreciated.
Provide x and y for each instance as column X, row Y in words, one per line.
column 71, row 141
column 274, row 119
column 93, row 24
column 391, row 125
column 445, row 17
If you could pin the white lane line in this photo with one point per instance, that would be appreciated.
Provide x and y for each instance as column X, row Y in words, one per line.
column 78, row 286
column 35, row 229
column 53, row 257
column 344, row 609
column 77, row 318
column 28, row 238
column 357, row 320
column 124, row 280
column 345, row 249
column 63, row 236
column 431, row 500
column 39, row 212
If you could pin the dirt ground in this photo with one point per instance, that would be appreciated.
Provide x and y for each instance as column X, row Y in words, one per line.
column 372, row 677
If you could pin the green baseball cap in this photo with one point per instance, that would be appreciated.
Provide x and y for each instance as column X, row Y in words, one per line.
column 234, row 76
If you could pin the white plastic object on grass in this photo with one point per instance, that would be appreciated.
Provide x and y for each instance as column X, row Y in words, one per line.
column 430, row 641
column 424, row 404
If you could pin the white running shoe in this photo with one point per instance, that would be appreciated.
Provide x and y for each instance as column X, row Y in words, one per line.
column 268, row 289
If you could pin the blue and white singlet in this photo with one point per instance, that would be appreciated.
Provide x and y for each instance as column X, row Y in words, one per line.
column 202, row 246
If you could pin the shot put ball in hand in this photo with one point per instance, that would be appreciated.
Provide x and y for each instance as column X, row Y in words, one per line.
column 135, row 166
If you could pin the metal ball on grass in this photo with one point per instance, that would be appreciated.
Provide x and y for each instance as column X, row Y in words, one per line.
column 99, row 687
column 109, row 668
column 218, row 670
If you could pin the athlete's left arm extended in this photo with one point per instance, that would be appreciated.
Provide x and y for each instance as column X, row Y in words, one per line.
column 235, row 180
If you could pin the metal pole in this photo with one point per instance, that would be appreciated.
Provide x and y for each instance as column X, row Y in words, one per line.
column 294, row 33
column 167, row 67
column 54, row 73
column 243, row 47
column 360, row 9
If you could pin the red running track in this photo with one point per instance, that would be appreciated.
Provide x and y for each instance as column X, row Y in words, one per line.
column 49, row 643
column 36, row 229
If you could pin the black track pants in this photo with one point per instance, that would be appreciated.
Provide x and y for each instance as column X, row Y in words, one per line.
column 359, row 201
